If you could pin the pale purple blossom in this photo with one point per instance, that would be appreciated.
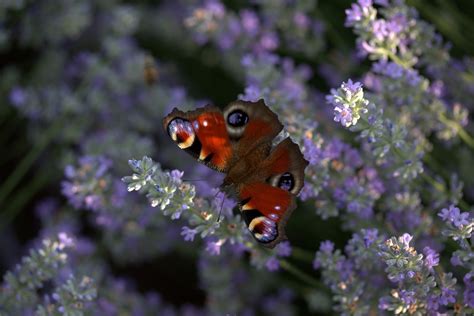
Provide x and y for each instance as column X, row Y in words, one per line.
column 283, row 249
column 272, row 264
column 188, row 233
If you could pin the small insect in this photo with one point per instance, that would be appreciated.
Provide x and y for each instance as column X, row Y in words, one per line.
column 238, row 142
column 150, row 71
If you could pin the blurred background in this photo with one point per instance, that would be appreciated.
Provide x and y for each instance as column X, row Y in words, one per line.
column 94, row 78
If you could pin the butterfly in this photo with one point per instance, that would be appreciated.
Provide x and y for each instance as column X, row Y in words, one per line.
column 238, row 142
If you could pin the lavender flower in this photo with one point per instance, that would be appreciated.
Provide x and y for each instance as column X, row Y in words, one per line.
column 348, row 102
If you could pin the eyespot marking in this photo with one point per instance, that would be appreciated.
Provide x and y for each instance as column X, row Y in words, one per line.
column 263, row 228
column 237, row 118
column 181, row 132
column 286, row 182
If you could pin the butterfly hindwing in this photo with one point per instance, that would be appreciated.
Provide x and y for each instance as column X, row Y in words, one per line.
column 265, row 210
column 267, row 204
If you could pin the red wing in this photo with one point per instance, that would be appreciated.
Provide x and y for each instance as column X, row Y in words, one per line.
column 268, row 200
column 203, row 134
column 285, row 166
column 266, row 209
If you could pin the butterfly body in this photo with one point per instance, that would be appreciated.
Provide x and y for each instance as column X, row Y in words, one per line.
column 238, row 142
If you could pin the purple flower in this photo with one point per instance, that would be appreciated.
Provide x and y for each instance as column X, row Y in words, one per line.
column 352, row 87
column 384, row 303
column 411, row 274
column 389, row 69
column 454, row 215
column 456, row 261
column 70, row 191
column 343, row 114
column 250, row 22
column 431, row 258
column 215, row 8
column 283, row 249
column 334, row 149
column 407, row 297
column 433, row 302
column 405, row 240
column 345, row 268
column 301, row 20
column 176, row 174
column 272, row 264
column 93, row 202
column 65, row 240
column 214, row 247
column 437, row 88
column 397, row 23
column 358, row 11
column 18, row 96
column 188, row 233
column 316, row 264
column 103, row 165
column 311, row 152
column 326, row 247
column 379, row 29
column 448, row 295
column 353, row 15
column 469, row 291
column 252, row 93
column 307, row 192
column 370, row 235
column 268, row 41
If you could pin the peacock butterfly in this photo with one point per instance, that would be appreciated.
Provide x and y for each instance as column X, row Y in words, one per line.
column 238, row 142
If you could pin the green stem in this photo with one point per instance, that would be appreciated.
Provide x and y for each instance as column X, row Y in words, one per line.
column 21, row 198
column 394, row 57
column 441, row 188
column 25, row 165
column 301, row 275
column 302, row 254
column 468, row 139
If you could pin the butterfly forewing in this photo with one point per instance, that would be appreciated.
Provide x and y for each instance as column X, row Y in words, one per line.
column 203, row 134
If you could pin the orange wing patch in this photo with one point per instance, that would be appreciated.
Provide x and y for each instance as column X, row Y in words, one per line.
column 270, row 201
column 265, row 209
column 211, row 131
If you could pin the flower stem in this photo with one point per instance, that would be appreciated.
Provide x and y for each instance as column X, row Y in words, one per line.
column 21, row 198
column 468, row 139
column 25, row 165
column 441, row 188
column 302, row 254
column 301, row 275
column 394, row 57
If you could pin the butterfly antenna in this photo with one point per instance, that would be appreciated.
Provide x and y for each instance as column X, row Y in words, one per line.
column 193, row 180
column 220, row 210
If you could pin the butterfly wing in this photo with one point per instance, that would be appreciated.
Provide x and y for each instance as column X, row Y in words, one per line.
column 250, row 125
column 203, row 134
column 221, row 138
column 268, row 199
